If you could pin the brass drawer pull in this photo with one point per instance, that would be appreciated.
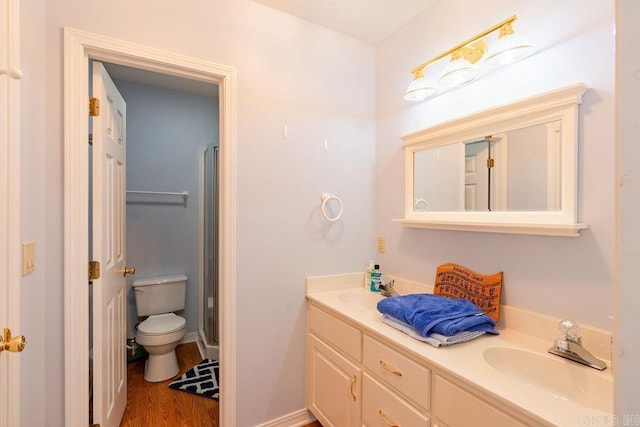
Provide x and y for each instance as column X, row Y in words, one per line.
column 354, row 396
column 384, row 418
column 388, row 368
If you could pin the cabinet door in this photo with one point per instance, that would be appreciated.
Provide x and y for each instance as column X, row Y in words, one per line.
column 334, row 386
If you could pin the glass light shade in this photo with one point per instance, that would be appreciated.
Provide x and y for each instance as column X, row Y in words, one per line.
column 419, row 90
column 508, row 49
column 458, row 72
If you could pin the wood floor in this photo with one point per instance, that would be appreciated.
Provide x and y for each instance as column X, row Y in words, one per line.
column 156, row 405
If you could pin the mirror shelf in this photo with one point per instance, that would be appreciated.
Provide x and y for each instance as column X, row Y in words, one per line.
column 564, row 230
column 501, row 206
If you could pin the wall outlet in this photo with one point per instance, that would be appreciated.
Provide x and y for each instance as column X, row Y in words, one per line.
column 381, row 244
column 28, row 257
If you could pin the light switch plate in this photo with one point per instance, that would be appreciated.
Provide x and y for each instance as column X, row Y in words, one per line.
column 381, row 244
column 28, row 257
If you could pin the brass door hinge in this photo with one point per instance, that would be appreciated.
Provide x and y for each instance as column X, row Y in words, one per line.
column 94, row 107
column 489, row 163
column 94, row 270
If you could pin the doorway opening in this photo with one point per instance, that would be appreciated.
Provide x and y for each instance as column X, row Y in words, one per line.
column 171, row 135
column 80, row 48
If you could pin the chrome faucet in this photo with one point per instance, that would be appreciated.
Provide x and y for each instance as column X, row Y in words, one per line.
column 571, row 346
column 386, row 287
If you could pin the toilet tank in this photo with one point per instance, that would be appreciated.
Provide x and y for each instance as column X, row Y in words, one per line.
column 158, row 295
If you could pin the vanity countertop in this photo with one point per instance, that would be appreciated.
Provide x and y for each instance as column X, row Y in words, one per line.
column 557, row 400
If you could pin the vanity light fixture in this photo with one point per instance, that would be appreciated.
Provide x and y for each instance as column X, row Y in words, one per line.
column 509, row 47
column 420, row 88
column 468, row 59
column 459, row 71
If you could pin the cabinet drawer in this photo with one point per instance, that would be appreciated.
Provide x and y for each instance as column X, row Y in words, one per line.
column 383, row 408
column 344, row 336
column 459, row 408
column 401, row 373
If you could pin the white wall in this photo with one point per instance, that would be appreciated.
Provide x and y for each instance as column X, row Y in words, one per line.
column 165, row 131
column 291, row 73
column 33, row 287
column 558, row 276
column 527, row 175
column 627, row 335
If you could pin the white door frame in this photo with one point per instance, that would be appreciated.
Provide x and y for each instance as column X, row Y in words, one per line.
column 79, row 47
column 10, row 249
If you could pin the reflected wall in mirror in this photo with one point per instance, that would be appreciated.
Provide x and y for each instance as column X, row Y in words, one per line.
column 509, row 169
column 518, row 170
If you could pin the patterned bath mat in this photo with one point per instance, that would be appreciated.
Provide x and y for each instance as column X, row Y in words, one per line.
column 202, row 380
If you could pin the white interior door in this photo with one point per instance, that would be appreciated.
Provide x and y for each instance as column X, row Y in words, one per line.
column 10, row 265
column 499, row 187
column 108, row 211
column 476, row 178
column 4, row 220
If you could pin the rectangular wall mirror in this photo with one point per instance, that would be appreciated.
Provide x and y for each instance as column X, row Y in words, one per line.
column 509, row 169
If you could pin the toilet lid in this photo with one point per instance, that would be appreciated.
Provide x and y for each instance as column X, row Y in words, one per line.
column 161, row 324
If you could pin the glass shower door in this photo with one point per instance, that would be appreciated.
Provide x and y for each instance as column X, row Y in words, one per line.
column 211, row 188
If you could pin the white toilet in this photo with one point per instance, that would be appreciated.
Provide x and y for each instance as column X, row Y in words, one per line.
column 160, row 333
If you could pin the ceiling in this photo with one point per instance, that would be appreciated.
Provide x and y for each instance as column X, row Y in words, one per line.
column 370, row 21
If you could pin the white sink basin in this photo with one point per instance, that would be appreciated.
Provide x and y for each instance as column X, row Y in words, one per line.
column 566, row 380
column 361, row 298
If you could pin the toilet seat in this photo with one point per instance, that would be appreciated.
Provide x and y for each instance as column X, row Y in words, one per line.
column 161, row 324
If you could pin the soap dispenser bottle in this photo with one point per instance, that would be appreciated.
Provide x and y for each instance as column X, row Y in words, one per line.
column 367, row 274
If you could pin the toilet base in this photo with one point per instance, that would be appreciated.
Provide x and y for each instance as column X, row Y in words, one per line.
column 161, row 367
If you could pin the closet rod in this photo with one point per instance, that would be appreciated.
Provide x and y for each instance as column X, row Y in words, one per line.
column 183, row 194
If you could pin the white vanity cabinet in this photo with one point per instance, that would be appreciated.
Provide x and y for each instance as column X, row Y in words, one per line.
column 353, row 379
column 357, row 378
column 333, row 386
column 334, row 377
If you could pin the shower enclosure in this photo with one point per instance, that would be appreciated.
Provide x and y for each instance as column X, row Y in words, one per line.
column 209, row 187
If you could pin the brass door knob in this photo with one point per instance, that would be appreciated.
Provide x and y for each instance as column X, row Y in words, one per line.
column 128, row 270
column 14, row 345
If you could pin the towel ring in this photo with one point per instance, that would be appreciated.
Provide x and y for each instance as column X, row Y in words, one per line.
column 326, row 198
column 420, row 202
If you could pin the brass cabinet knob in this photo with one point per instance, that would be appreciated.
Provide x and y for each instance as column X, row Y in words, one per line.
column 128, row 270
column 14, row 345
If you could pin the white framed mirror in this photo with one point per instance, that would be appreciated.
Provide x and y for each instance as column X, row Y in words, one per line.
column 508, row 169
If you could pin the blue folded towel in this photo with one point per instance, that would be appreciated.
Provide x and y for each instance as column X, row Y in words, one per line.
column 428, row 314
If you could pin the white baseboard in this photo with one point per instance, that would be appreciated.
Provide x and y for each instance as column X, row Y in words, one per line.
column 201, row 349
column 295, row 419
